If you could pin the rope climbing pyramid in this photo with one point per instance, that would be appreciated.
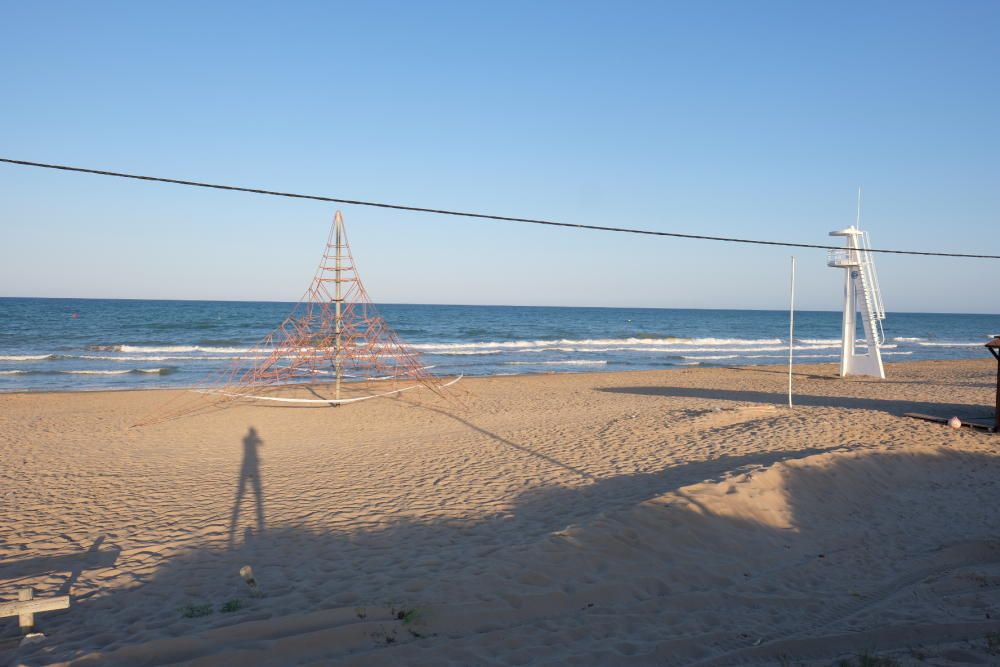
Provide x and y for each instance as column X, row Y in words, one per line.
column 334, row 348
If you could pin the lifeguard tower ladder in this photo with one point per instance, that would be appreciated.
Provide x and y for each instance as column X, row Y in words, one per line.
column 861, row 294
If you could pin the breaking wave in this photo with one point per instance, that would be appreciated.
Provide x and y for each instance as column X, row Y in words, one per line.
column 150, row 371
column 166, row 370
column 591, row 342
column 168, row 358
column 29, row 357
column 153, row 349
column 976, row 344
column 712, row 357
column 567, row 362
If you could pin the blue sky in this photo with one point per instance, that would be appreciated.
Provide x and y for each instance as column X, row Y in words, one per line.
column 746, row 119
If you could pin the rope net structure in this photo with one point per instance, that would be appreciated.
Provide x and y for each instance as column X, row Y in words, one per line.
column 333, row 349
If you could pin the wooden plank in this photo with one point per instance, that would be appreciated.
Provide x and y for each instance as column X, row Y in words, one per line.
column 33, row 606
column 944, row 420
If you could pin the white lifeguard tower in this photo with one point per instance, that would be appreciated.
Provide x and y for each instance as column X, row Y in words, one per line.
column 861, row 294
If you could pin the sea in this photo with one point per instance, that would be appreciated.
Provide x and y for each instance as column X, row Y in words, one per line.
column 89, row 344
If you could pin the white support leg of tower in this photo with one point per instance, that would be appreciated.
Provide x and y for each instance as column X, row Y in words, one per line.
column 861, row 295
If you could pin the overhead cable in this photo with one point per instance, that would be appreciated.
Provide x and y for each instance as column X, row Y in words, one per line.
column 483, row 216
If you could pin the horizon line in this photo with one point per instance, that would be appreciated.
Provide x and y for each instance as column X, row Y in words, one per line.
column 484, row 305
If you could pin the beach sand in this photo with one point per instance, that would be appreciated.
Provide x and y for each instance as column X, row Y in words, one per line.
column 668, row 518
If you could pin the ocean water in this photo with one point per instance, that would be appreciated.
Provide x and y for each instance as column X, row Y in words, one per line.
column 82, row 344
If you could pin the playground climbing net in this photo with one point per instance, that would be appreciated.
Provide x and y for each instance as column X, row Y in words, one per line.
column 333, row 349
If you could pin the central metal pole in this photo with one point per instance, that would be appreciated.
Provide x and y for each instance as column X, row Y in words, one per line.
column 338, row 297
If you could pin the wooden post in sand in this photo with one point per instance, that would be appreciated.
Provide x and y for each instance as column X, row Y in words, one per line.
column 27, row 606
column 994, row 347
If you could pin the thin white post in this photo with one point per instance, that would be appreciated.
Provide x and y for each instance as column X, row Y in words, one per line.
column 791, row 332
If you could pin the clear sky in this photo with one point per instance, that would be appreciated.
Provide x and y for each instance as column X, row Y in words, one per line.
column 752, row 119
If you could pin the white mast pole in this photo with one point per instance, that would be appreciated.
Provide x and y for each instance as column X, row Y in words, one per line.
column 791, row 331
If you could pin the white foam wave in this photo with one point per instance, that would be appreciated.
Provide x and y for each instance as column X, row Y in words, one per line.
column 157, row 371
column 679, row 350
column 591, row 342
column 567, row 362
column 819, row 341
column 907, row 339
column 25, row 357
column 815, row 356
column 14, row 372
column 180, row 348
column 977, row 344
column 714, row 357
column 98, row 372
column 797, row 356
column 97, row 357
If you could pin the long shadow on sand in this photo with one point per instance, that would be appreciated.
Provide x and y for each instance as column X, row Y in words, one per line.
column 655, row 582
column 303, row 570
column 892, row 406
column 835, row 377
column 581, row 503
column 504, row 441
column 95, row 557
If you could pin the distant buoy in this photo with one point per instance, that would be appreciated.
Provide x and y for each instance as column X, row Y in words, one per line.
column 955, row 423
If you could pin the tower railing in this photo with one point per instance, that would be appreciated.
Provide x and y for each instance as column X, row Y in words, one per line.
column 869, row 281
column 841, row 258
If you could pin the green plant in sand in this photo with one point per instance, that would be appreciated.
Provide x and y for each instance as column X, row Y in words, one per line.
column 196, row 610
column 867, row 659
column 231, row 605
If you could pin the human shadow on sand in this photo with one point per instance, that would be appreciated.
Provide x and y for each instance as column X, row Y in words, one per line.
column 592, row 559
column 249, row 477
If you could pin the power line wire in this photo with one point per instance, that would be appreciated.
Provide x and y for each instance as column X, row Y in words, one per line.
column 483, row 216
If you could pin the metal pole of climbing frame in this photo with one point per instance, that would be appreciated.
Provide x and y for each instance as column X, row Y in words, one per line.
column 338, row 298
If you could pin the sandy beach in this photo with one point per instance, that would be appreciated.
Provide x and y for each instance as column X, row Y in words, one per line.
column 661, row 517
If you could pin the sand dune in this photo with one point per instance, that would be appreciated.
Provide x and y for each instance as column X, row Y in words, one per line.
column 679, row 517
